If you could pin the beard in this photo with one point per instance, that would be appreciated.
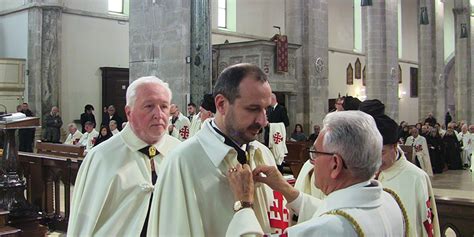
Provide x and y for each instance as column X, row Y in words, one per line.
column 239, row 134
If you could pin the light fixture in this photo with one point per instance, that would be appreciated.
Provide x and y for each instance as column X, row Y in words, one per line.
column 424, row 16
column 463, row 31
column 365, row 3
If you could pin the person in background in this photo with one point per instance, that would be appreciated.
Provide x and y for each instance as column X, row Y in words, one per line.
column 191, row 111
column 430, row 120
column 447, row 119
column 312, row 138
column 104, row 134
column 178, row 124
column 113, row 127
column 52, row 126
column 89, row 137
column 298, row 134
column 74, row 134
column 452, row 148
column 112, row 115
column 88, row 115
column 276, row 113
column 26, row 135
column 435, row 147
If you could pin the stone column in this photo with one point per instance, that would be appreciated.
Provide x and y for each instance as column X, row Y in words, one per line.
column 307, row 24
column 44, row 34
column 431, row 84
column 462, row 65
column 381, row 45
column 200, row 50
column 159, row 33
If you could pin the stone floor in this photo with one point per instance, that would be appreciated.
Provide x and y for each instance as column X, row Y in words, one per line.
column 452, row 183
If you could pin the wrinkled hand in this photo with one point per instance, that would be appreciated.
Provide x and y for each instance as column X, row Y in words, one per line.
column 272, row 177
column 241, row 183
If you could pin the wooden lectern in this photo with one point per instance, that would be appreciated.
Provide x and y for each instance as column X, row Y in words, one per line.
column 12, row 183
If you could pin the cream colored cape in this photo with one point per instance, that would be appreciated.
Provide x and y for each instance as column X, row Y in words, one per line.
column 181, row 127
column 413, row 186
column 73, row 137
column 193, row 197
column 423, row 156
column 277, row 141
column 195, row 125
column 113, row 187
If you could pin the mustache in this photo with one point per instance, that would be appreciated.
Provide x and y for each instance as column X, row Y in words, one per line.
column 255, row 126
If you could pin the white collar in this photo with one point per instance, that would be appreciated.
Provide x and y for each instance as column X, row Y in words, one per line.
column 213, row 143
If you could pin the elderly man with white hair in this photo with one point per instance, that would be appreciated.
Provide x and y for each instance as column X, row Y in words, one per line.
column 113, row 127
column 115, row 183
column 356, row 205
column 74, row 135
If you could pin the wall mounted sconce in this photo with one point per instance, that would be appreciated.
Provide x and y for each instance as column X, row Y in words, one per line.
column 424, row 16
column 365, row 3
column 463, row 31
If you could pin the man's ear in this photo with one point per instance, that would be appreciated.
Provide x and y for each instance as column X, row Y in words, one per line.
column 128, row 111
column 337, row 165
column 221, row 104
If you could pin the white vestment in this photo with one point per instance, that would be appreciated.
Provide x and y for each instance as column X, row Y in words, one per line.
column 193, row 197
column 376, row 212
column 413, row 186
column 277, row 141
column 195, row 125
column 71, row 138
column 88, row 140
column 114, row 185
column 115, row 131
column 421, row 153
column 181, row 127
column 467, row 140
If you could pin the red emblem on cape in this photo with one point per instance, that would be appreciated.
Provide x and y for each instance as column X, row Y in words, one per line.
column 184, row 132
column 278, row 214
column 277, row 137
column 429, row 219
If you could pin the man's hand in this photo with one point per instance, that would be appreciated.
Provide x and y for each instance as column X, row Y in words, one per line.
column 241, row 183
column 272, row 177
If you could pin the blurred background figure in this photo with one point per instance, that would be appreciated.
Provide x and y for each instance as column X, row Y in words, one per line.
column 88, row 115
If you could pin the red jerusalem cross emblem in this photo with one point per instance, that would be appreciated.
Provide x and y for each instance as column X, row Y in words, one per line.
column 184, row 132
column 277, row 137
column 278, row 214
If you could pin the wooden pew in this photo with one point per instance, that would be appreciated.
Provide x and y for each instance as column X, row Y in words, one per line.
column 457, row 214
column 297, row 156
column 44, row 171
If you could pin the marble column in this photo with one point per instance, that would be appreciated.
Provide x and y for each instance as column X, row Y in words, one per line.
column 432, row 83
column 381, row 45
column 44, row 34
column 159, row 33
column 462, row 83
column 200, row 50
column 307, row 24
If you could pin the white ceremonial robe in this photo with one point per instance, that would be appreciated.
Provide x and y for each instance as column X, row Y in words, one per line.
column 413, row 186
column 114, row 185
column 115, row 131
column 422, row 155
column 277, row 141
column 376, row 211
column 88, row 140
column 195, row 125
column 71, row 138
column 467, row 140
column 181, row 127
column 193, row 197
column 305, row 183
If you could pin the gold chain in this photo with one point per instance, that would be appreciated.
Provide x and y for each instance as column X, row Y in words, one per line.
column 402, row 207
column 349, row 218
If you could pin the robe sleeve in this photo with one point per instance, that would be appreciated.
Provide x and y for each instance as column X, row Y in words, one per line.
column 244, row 222
column 90, row 195
column 174, row 210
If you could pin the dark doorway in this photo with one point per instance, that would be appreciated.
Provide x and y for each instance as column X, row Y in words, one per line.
column 115, row 82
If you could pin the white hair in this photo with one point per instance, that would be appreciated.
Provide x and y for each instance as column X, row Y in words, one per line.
column 112, row 122
column 132, row 88
column 355, row 137
column 71, row 125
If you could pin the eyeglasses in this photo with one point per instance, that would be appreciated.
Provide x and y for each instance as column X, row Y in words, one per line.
column 313, row 155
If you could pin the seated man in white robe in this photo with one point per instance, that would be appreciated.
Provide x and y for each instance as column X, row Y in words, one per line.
column 206, row 111
column 193, row 197
column 467, row 140
column 115, row 182
column 407, row 180
column 355, row 204
column 420, row 151
column 89, row 137
column 178, row 124
column 74, row 135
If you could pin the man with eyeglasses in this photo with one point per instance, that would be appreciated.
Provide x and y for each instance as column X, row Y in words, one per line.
column 346, row 155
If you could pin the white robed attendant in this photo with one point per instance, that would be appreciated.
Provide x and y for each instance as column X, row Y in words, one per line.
column 180, row 127
column 197, row 183
column 414, row 188
column 277, row 141
column 467, row 140
column 195, row 125
column 421, row 152
column 73, row 138
column 114, row 184
column 88, row 140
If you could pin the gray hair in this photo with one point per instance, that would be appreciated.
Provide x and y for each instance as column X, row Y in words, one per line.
column 132, row 88
column 355, row 137
column 72, row 125
column 113, row 122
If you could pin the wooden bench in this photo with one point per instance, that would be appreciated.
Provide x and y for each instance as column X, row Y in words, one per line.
column 297, row 156
column 44, row 171
column 457, row 214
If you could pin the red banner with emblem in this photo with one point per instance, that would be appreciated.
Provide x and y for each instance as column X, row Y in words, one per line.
column 281, row 53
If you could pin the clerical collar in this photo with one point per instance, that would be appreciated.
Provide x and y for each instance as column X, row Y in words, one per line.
column 241, row 156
